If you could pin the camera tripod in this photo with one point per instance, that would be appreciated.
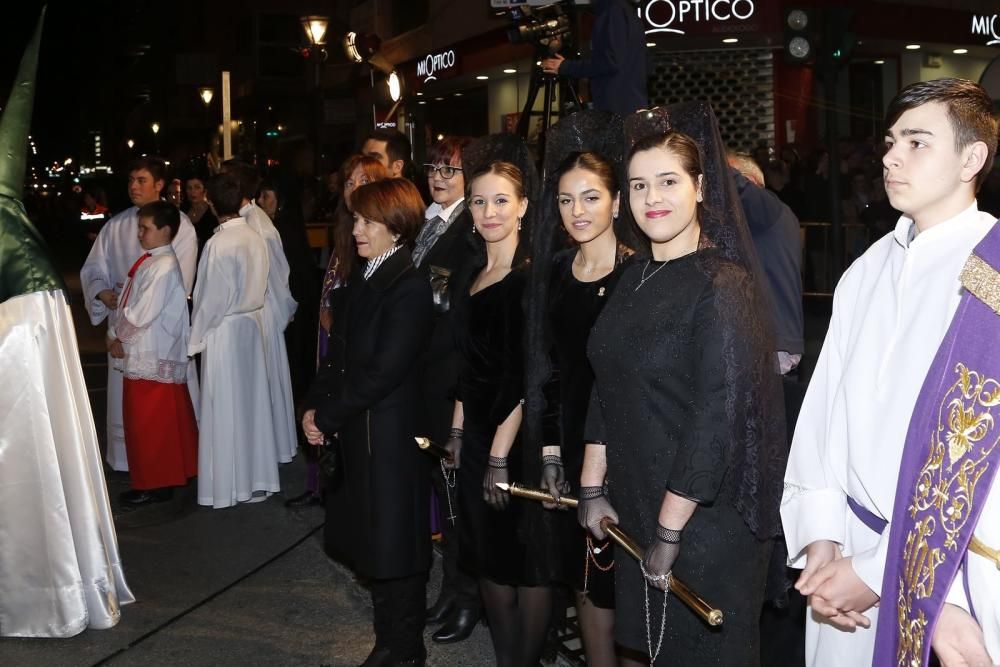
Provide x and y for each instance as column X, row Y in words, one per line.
column 550, row 83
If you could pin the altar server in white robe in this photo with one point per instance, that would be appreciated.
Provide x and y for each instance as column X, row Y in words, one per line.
column 104, row 274
column 279, row 307
column 890, row 313
column 237, row 457
column 151, row 337
column 60, row 569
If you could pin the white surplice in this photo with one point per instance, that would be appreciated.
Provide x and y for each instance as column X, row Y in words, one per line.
column 279, row 307
column 112, row 255
column 60, row 570
column 236, row 447
column 890, row 313
column 154, row 324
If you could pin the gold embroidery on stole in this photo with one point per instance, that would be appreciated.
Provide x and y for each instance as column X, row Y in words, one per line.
column 944, row 496
column 982, row 281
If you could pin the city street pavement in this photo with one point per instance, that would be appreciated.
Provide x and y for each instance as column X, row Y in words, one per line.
column 249, row 585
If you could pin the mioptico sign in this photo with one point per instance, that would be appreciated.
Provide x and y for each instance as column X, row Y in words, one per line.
column 677, row 16
column 433, row 63
column 987, row 27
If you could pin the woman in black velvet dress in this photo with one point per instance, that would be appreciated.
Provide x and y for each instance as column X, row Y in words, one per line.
column 580, row 282
column 488, row 321
column 685, row 416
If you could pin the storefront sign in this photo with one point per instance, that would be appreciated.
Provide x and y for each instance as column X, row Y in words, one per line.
column 987, row 27
column 676, row 16
column 430, row 66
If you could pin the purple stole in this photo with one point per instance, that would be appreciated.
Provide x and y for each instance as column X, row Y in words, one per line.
column 949, row 461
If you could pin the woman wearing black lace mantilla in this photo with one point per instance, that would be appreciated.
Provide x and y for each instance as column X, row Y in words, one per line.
column 686, row 422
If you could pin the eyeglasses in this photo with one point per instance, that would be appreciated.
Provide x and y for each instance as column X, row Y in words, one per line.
column 446, row 171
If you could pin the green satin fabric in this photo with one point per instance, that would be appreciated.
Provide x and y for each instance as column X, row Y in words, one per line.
column 25, row 266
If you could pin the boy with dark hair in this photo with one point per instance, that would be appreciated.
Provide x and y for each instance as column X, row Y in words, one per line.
column 870, row 515
column 150, row 335
column 237, row 461
column 104, row 274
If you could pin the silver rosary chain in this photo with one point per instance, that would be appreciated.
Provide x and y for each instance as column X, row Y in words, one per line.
column 663, row 619
column 449, row 483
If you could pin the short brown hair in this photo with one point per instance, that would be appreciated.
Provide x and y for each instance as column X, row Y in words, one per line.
column 970, row 112
column 395, row 202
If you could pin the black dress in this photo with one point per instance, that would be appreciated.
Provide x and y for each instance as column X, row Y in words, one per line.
column 488, row 328
column 572, row 310
column 659, row 354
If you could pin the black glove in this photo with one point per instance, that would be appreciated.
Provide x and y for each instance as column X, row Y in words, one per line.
column 454, row 445
column 594, row 507
column 553, row 479
column 496, row 497
column 661, row 556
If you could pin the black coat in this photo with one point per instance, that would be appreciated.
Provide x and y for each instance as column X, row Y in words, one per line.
column 368, row 391
column 449, row 255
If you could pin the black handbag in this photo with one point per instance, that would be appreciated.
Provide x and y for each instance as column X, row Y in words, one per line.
column 440, row 278
column 329, row 458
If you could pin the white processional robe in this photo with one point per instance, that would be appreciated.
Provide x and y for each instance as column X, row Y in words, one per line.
column 155, row 325
column 112, row 255
column 890, row 313
column 237, row 454
column 60, row 569
column 279, row 307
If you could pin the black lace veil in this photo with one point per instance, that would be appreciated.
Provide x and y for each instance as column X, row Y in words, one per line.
column 755, row 404
column 600, row 132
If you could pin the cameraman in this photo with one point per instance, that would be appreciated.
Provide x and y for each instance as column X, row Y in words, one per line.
column 617, row 64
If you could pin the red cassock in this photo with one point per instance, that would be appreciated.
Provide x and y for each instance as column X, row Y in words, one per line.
column 161, row 434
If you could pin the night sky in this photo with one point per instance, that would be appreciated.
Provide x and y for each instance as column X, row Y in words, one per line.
column 75, row 37
column 85, row 53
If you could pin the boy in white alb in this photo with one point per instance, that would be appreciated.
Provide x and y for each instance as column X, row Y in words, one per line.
column 149, row 335
column 103, row 277
column 891, row 311
column 237, row 454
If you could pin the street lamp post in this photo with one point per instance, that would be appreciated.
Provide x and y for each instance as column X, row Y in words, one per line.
column 315, row 28
column 155, row 127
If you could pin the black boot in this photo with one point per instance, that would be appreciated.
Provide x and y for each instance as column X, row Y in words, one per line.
column 441, row 609
column 379, row 657
column 458, row 627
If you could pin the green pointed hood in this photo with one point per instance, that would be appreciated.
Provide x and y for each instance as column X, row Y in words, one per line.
column 16, row 121
column 25, row 264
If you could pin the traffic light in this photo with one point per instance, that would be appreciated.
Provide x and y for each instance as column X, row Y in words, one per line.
column 801, row 35
column 814, row 35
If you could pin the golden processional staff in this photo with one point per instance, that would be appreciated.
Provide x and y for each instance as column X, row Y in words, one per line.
column 694, row 602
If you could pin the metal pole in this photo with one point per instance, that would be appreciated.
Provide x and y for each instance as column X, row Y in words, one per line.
column 227, row 132
column 318, row 93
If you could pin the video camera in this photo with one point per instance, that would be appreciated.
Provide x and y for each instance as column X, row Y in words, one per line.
column 545, row 23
